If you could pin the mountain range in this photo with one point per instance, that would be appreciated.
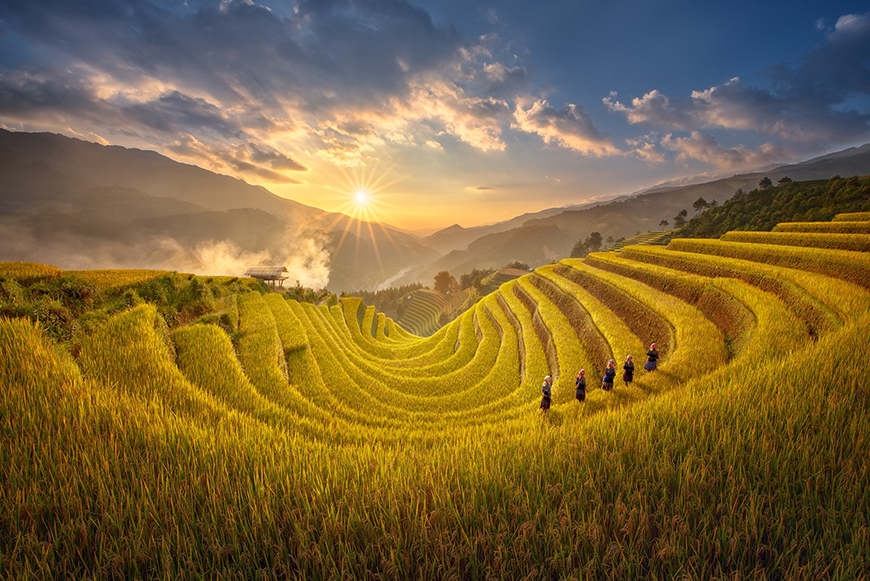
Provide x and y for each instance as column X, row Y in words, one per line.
column 76, row 204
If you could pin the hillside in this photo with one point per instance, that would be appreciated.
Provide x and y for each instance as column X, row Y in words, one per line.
column 285, row 439
column 456, row 237
column 83, row 205
column 622, row 217
column 762, row 209
column 75, row 162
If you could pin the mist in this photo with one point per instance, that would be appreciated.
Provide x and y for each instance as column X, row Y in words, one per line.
column 305, row 257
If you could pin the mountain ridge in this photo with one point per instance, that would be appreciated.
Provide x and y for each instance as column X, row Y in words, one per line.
column 164, row 214
column 104, row 194
column 627, row 215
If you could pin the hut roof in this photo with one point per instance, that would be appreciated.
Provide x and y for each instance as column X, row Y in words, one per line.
column 267, row 272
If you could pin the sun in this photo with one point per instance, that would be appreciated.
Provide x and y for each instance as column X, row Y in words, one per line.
column 361, row 197
column 365, row 200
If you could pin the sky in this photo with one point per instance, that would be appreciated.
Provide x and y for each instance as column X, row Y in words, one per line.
column 444, row 111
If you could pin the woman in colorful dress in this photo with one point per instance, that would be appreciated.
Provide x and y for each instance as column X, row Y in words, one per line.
column 653, row 356
column 580, row 384
column 547, row 390
column 609, row 374
column 628, row 371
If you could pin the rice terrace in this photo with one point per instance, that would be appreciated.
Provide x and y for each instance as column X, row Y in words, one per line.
column 310, row 441
column 434, row 290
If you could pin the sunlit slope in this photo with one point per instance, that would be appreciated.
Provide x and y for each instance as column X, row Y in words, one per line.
column 327, row 439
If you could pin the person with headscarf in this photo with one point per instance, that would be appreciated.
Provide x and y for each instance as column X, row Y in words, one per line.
column 652, row 356
column 609, row 374
column 580, row 384
column 547, row 390
column 628, row 371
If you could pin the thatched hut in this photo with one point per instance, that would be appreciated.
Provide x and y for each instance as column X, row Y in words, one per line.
column 272, row 275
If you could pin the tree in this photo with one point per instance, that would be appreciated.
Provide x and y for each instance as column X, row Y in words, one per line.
column 663, row 223
column 579, row 249
column 680, row 219
column 700, row 205
column 518, row 265
column 445, row 283
column 609, row 241
column 474, row 278
column 784, row 180
column 765, row 183
column 713, row 204
column 593, row 242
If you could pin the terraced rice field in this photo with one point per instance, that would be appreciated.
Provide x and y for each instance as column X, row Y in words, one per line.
column 645, row 238
column 424, row 308
column 113, row 279
column 331, row 443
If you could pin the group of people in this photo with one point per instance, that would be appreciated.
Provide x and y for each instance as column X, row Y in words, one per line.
column 606, row 382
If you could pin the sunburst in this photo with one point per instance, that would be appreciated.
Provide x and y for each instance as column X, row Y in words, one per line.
column 361, row 197
column 366, row 199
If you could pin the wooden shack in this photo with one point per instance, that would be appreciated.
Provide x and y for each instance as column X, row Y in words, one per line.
column 271, row 275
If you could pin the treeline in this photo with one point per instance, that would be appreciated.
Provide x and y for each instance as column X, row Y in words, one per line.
column 787, row 201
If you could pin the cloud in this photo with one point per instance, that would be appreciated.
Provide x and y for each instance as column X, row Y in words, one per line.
column 654, row 108
column 332, row 79
column 571, row 127
column 705, row 148
column 805, row 106
column 502, row 79
column 275, row 159
column 248, row 159
column 474, row 120
column 645, row 149
column 173, row 111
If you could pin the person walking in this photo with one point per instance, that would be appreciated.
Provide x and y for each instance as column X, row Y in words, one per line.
column 609, row 374
column 580, row 384
column 652, row 356
column 628, row 371
column 547, row 390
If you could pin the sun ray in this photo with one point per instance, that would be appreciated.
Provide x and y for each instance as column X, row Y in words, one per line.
column 366, row 200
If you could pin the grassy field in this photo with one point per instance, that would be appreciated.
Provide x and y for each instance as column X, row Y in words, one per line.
column 272, row 439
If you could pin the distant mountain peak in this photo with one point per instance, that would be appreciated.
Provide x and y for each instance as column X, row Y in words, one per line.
column 450, row 230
